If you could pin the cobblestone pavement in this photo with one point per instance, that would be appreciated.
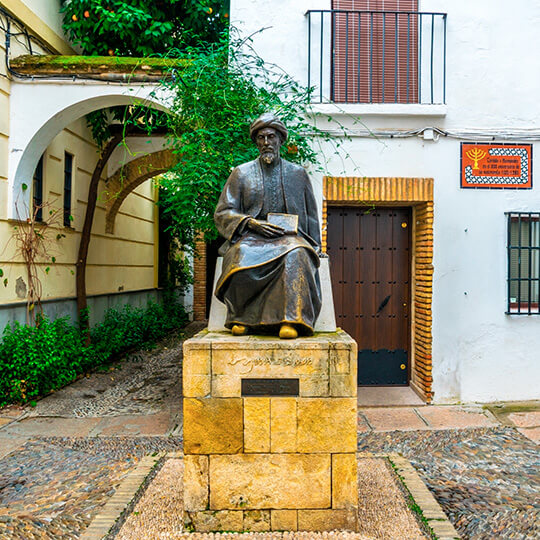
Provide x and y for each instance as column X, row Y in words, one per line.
column 486, row 480
column 52, row 487
column 477, row 461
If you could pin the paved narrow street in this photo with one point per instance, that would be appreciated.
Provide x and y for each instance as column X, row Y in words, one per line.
column 61, row 460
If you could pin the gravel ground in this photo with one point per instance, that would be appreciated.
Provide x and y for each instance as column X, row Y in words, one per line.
column 486, row 480
column 53, row 487
column 384, row 514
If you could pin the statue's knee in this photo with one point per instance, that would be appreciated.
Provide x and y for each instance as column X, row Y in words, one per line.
column 298, row 256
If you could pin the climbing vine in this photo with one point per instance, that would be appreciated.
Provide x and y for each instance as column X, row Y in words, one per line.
column 34, row 240
column 222, row 89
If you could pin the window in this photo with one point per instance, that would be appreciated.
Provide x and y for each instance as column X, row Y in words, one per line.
column 523, row 263
column 375, row 51
column 68, row 175
column 37, row 190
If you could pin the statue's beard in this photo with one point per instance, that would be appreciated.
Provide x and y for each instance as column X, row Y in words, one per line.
column 268, row 157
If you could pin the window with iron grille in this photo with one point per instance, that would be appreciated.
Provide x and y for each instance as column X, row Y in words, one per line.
column 37, row 190
column 523, row 263
column 376, row 51
column 68, row 175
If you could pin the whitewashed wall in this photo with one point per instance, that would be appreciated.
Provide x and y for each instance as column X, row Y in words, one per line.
column 493, row 87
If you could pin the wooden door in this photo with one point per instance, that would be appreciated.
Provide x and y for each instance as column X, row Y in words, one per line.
column 370, row 271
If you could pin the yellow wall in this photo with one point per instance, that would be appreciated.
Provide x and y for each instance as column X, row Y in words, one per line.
column 124, row 261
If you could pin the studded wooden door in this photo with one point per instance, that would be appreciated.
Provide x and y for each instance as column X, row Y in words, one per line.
column 369, row 250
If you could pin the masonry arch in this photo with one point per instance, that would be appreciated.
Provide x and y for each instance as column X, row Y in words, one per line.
column 133, row 174
column 58, row 105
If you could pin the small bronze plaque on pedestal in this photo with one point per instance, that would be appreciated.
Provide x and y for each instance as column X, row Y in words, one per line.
column 270, row 387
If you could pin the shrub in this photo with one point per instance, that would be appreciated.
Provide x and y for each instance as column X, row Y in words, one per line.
column 36, row 360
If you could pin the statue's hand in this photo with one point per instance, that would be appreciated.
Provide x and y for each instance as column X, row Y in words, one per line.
column 264, row 228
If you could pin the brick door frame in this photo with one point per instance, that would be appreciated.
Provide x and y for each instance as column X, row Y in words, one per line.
column 416, row 193
column 199, row 281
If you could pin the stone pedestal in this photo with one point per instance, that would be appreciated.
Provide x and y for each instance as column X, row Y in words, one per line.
column 270, row 461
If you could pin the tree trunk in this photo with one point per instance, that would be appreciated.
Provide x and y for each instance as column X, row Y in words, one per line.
column 86, row 231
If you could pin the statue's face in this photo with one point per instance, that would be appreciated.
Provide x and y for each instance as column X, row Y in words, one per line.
column 268, row 142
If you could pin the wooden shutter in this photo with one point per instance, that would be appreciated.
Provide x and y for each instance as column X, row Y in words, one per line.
column 375, row 55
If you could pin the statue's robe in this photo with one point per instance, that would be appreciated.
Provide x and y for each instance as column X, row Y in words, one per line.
column 269, row 281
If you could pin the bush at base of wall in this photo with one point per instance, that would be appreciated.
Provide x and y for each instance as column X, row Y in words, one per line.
column 35, row 361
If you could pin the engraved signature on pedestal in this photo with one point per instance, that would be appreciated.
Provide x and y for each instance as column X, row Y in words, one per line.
column 250, row 363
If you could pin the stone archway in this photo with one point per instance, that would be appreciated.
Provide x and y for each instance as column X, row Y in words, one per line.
column 60, row 104
column 131, row 175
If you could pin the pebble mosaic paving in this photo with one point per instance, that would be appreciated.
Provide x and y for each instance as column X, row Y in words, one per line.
column 52, row 487
column 486, row 480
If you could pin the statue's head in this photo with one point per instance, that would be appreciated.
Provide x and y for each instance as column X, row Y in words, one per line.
column 268, row 132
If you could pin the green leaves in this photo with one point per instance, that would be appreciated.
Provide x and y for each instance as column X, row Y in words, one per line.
column 219, row 93
column 142, row 28
column 37, row 360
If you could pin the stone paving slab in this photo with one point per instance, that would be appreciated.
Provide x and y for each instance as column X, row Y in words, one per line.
column 450, row 417
column 389, row 418
column 61, row 427
column 525, row 419
column 135, row 425
column 9, row 443
column 531, row 433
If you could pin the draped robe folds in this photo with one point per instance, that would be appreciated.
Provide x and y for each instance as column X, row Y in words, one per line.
column 269, row 281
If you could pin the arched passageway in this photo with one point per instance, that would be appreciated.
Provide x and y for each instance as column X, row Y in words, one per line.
column 131, row 175
column 59, row 104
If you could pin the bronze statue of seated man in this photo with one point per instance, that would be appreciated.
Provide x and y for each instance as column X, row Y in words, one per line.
column 268, row 215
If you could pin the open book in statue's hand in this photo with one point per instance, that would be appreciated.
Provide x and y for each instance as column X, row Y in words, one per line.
column 288, row 222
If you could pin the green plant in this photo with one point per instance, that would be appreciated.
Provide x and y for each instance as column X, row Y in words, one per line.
column 142, row 28
column 37, row 360
column 412, row 504
column 218, row 93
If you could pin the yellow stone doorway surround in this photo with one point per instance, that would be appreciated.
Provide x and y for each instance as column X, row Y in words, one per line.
column 418, row 194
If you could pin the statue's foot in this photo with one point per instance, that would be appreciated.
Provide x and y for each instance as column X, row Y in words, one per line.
column 239, row 330
column 287, row 332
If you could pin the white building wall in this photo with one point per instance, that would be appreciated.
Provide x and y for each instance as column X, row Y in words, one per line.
column 493, row 84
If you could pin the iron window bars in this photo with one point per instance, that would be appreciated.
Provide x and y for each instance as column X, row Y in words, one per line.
column 523, row 263
column 37, row 190
column 68, row 176
column 377, row 56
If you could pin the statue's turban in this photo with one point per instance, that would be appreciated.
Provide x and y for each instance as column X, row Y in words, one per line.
column 268, row 120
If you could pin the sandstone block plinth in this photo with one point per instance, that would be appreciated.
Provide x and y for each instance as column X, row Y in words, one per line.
column 262, row 453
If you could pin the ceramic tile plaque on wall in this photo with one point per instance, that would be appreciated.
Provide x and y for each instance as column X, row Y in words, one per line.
column 502, row 165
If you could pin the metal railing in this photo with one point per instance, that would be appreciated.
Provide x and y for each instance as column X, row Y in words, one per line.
column 377, row 56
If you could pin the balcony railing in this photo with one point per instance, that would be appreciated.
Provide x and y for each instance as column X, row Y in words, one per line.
column 377, row 56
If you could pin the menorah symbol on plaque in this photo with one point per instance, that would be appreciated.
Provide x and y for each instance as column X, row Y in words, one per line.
column 476, row 154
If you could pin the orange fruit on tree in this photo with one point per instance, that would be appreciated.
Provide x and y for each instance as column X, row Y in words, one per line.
column 87, row 14
column 74, row 18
